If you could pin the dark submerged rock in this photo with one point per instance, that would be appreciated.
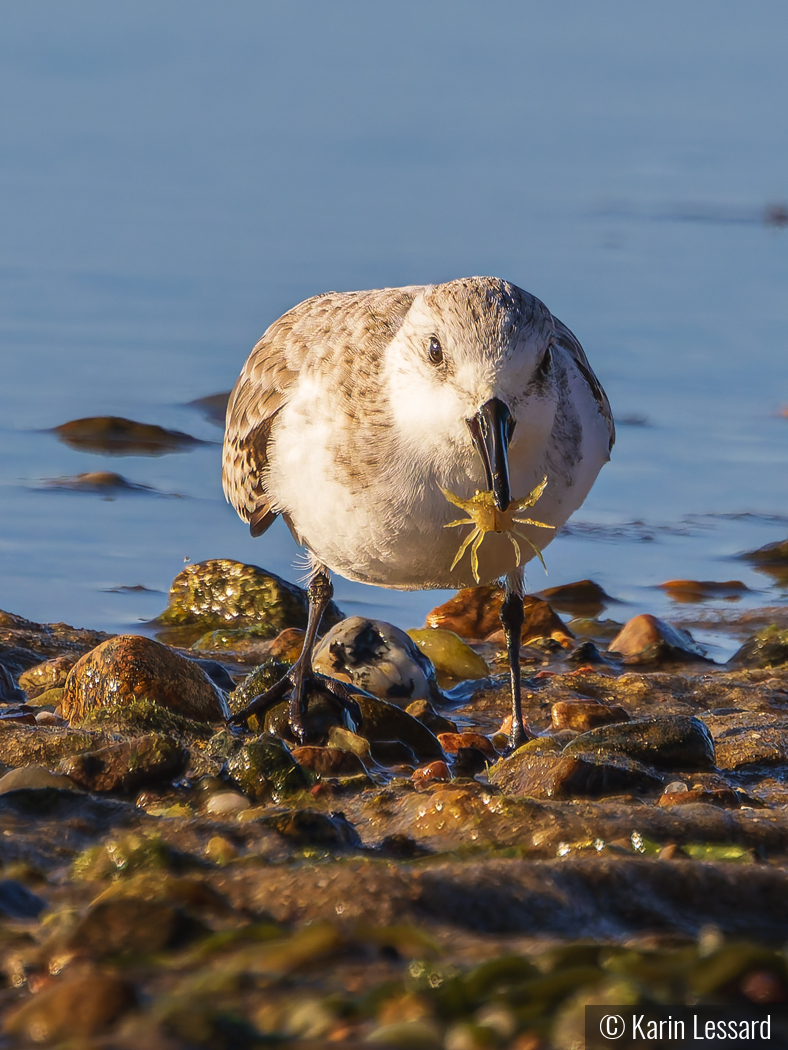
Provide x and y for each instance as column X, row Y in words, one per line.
column 123, row 437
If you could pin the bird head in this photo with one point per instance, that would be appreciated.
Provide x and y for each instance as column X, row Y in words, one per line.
column 470, row 380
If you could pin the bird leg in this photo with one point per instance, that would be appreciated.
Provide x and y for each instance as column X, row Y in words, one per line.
column 319, row 594
column 512, row 617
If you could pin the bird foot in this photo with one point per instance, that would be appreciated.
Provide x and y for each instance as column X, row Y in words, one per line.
column 300, row 683
column 518, row 736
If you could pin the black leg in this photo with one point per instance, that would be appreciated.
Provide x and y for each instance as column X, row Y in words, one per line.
column 319, row 592
column 512, row 617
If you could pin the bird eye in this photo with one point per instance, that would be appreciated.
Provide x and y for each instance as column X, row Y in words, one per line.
column 435, row 351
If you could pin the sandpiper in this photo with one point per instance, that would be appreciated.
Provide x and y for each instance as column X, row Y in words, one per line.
column 363, row 417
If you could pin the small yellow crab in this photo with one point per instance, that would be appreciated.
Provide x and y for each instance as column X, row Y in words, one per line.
column 485, row 517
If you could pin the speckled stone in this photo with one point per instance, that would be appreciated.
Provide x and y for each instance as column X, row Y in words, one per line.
column 129, row 668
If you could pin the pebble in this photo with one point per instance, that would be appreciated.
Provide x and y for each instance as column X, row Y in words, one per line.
column 453, row 742
column 431, row 771
column 378, row 657
column 424, row 712
column 71, row 1008
column 582, row 715
column 328, row 761
column 131, row 668
column 226, row 804
column 450, row 655
column 646, row 639
column 35, row 778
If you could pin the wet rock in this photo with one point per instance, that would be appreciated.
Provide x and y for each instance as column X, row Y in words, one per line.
column 424, row 712
column 123, row 437
column 264, row 769
column 10, row 693
column 310, row 827
column 14, row 658
column 126, row 766
column 431, row 771
column 129, row 926
column 475, row 613
column 17, row 902
column 773, row 554
column 453, row 742
column 75, row 1006
column 213, row 407
column 584, row 598
column 449, row 654
column 377, row 657
column 222, row 594
column 22, row 745
column 469, row 762
column 345, row 740
column 24, row 643
column 675, row 742
column 130, row 668
column 105, row 482
column 768, row 648
column 540, row 770
column 328, row 761
column 47, row 675
column 701, row 590
column 715, row 796
column 645, row 639
column 226, row 804
column 586, row 654
column 582, row 715
column 382, row 724
column 746, row 742
column 35, row 778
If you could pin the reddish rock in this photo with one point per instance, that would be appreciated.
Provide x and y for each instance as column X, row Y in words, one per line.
column 582, row 715
column 475, row 613
column 700, row 590
column 453, row 742
column 645, row 639
column 328, row 761
column 128, row 668
column 432, row 771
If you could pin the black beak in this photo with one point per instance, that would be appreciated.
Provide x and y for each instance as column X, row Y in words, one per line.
column 491, row 429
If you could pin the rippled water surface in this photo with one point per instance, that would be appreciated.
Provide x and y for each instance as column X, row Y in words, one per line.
column 175, row 176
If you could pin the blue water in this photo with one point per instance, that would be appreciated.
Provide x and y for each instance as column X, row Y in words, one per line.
column 173, row 176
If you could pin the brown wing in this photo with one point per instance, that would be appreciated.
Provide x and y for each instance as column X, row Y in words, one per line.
column 567, row 340
column 309, row 334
